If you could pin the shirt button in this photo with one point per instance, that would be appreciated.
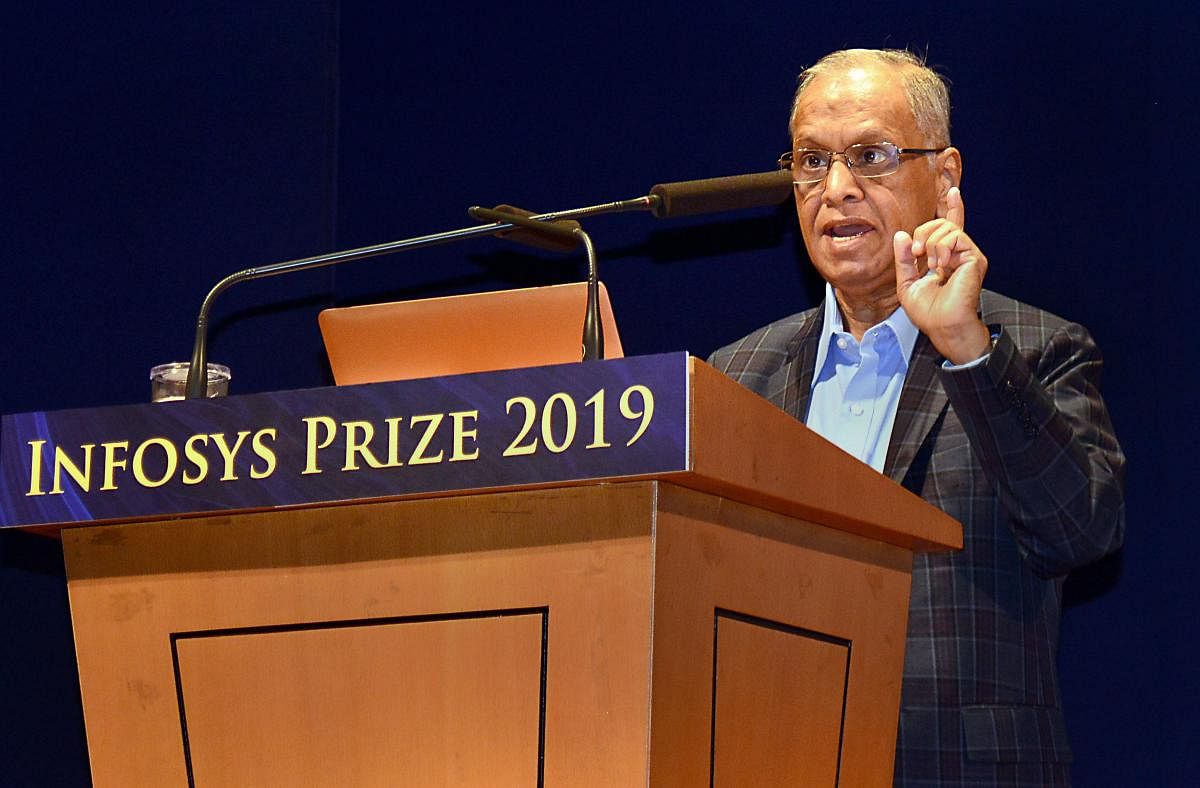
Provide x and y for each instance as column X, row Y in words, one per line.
column 856, row 409
column 842, row 343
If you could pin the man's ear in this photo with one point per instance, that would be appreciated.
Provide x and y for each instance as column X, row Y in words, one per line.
column 949, row 175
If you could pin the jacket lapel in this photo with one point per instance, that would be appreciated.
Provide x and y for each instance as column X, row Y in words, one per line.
column 790, row 386
column 922, row 401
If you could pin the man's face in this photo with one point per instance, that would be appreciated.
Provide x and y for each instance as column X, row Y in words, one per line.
column 848, row 222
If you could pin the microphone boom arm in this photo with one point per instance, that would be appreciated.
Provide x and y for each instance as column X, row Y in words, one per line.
column 198, row 371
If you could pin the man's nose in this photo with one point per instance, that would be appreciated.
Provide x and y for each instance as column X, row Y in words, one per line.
column 840, row 183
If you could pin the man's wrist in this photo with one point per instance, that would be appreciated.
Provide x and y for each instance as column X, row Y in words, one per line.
column 963, row 347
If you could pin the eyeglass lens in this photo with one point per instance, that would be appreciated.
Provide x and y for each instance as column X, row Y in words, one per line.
column 868, row 160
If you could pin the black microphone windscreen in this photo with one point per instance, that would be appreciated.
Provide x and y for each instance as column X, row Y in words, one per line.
column 555, row 236
column 716, row 195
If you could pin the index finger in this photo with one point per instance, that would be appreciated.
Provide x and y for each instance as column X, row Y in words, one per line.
column 954, row 211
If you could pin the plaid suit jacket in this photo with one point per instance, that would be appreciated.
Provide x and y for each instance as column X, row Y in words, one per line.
column 1021, row 451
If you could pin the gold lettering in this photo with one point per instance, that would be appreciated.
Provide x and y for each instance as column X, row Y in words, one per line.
column 35, row 467
column 228, row 454
column 112, row 464
column 569, row 414
column 597, row 405
column 394, row 441
column 63, row 463
column 359, row 435
column 139, row 470
column 197, row 458
column 461, row 435
column 314, row 444
column 418, row 456
column 644, row 412
column 515, row 448
column 264, row 452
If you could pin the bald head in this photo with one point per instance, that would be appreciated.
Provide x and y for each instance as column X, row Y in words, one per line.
column 926, row 91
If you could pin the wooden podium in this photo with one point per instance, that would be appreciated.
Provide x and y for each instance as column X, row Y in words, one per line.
column 738, row 622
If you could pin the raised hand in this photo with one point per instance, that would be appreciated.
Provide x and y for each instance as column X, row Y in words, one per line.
column 939, row 273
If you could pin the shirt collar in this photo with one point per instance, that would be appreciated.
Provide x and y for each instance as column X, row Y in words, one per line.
column 906, row 333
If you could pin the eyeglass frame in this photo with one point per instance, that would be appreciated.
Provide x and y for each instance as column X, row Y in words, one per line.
column 787, row 159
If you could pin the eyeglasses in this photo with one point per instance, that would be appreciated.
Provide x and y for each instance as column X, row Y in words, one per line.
column 866, row 160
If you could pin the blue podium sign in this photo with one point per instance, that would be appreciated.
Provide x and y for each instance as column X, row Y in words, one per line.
column 557, row 424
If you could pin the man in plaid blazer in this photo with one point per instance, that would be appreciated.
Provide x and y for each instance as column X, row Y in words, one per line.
column 998, row 418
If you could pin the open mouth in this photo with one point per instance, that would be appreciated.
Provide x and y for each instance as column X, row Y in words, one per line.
column 848, row 230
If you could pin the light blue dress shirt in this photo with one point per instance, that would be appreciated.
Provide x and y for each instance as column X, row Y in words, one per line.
column 856, row 388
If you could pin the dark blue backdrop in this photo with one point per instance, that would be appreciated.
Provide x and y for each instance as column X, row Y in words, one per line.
column 149, row 150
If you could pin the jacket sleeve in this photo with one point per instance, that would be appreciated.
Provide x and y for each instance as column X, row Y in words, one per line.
column 1045, row 440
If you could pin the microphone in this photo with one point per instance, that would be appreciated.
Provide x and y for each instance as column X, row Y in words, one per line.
column 690, row 198
column 554, row 236
column 716, row 195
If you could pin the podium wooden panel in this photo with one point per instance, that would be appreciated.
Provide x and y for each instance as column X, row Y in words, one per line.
column 741, row 623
